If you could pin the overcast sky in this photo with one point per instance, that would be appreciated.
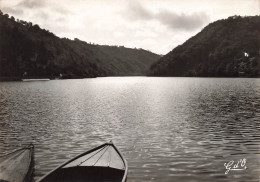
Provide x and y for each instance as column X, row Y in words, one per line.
column 155, row 25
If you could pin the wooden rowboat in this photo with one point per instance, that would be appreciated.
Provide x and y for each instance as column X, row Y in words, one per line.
column 103, row 163
column 17, row 166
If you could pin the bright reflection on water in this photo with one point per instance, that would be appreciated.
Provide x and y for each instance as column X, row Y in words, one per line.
column 181, row 129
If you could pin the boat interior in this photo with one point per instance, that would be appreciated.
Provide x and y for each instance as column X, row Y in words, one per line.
column 86, row 174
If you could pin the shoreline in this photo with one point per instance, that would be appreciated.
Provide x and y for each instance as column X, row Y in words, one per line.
column 9, row 79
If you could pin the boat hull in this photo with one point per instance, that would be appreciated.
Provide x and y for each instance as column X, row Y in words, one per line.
column 93, row 174
column 103, row 163
column 17, row 166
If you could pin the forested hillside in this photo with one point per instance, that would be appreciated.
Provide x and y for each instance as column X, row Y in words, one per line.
column 26, row 50
column 225, row 48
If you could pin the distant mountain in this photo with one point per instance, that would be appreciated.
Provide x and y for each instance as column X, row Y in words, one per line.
column 225, row 48
column 26, row 50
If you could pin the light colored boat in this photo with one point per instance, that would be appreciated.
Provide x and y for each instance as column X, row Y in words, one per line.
column 103, row 163
column 32, row 80
column 17, row 166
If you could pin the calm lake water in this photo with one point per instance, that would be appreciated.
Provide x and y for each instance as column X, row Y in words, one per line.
column 181, row 129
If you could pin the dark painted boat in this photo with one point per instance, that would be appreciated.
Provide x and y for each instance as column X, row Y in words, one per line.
column 103, row 163
column 17, row 166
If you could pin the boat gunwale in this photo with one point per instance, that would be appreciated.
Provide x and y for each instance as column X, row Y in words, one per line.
column 30, row 147
column 89, row 151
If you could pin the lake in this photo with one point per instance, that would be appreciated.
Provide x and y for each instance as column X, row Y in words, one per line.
column 181, row 129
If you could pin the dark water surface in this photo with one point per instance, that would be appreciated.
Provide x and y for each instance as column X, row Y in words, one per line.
column 168, row 129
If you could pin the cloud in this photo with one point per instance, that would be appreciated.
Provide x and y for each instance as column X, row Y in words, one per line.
column 43, row 15
column 32, row 3
column 136, row 10
column 183, row 21
column 60, row 19
column 12, row 11
column 61, row 10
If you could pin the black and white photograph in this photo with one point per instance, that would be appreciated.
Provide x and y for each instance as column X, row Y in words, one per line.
column 129, row 90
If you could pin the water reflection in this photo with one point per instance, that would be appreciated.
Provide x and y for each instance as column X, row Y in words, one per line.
column 168, row 129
